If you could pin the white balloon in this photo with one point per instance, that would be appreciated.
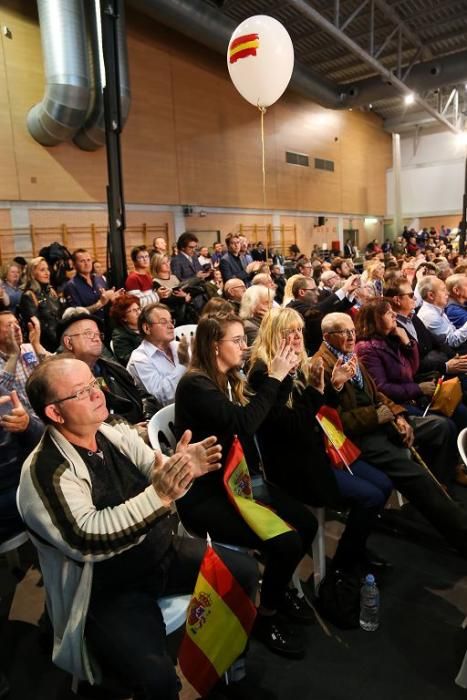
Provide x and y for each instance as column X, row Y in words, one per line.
column 260, row 59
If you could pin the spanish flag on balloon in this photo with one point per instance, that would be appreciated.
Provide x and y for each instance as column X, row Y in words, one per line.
column 219, row 622
column 340, row 450
column 237, row 481
column 243, row 46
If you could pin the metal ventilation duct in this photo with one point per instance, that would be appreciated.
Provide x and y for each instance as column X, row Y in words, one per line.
column 65, row 102
column 92, row 134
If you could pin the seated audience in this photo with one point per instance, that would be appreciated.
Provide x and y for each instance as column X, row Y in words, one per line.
column 433, row 315
column 288, row 435
column 11, row 278
column 391, row 358
column 256, row 301
column 155, row 365
column 124, row 313
column 41, row 300
column 234, row 289
column 97, row 499
column 87, row 289
column 456, row 310
column 17, row 359
column 434, row 355
column 82, row 337
column 379, row 428
column 211, row 398
column 20, row 431
column 306, row 302
column 139, row 282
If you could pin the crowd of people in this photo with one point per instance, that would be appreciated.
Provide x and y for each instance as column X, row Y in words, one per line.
column 84, row 366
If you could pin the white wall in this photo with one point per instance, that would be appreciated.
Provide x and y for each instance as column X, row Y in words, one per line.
column 432, row 175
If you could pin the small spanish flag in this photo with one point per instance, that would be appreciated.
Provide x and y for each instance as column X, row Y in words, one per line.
column 237, row 481
column 219, row 622
column 243, row 46
column 340, row 450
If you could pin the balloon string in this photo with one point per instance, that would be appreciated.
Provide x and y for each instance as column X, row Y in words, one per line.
column 263, row 158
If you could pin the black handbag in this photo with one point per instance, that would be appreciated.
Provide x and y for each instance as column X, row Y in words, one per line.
column 339, row 598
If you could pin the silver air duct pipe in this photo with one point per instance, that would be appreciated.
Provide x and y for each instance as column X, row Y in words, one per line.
column 65, row 102
column 92, row 134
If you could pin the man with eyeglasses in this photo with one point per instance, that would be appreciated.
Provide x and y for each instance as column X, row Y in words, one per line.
column 81, row 336
column 305, row 301
column 378, row 426
column 156, row 364
column 435, row 355
column 186, row 265
column 97, row 501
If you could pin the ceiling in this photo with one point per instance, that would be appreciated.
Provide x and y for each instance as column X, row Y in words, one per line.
column 405, row 33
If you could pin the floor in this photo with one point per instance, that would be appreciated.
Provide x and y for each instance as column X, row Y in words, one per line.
column 416, row 652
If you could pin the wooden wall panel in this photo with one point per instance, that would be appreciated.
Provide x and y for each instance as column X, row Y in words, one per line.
column 190, row 137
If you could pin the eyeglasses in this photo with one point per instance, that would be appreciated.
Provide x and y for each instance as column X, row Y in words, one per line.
column 162, row 322
column 348, row 332
column 89, row 335
column 238, row 340
column 81, row 394
column 290, row 331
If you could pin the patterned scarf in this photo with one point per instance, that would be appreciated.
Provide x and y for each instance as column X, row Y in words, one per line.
column 358, row 377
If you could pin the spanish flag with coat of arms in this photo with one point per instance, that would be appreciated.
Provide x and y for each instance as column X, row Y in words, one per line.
column 219, row 621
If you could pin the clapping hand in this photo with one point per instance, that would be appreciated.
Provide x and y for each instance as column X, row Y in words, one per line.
column 342, row 372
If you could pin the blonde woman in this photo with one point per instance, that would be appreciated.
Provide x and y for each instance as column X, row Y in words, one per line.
column 40, row 299
column 292, row 445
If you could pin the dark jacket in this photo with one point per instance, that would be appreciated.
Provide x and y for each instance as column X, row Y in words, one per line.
column 392, row 367
column 184, row 267
column 124, row 341
column 433, row 354
column 231, row 266
column 358, row 414
column 205, row 410
column 313, row 314
column 291, row 442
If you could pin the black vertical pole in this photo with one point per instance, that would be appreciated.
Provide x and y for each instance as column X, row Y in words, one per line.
column 110, row 12
column 463, row 223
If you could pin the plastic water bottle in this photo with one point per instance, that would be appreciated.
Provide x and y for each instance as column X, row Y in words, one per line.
column 369, row 605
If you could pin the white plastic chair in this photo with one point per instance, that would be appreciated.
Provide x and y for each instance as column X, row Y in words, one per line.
column 162, row 424
column 188, row 330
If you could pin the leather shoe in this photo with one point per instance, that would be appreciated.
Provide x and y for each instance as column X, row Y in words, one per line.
column 461, row 475
column 278, row 636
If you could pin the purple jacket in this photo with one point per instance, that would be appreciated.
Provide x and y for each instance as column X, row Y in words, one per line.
column 392, row 368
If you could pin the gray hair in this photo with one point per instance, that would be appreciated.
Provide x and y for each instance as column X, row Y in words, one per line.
column 330, row 321
column 252, row 298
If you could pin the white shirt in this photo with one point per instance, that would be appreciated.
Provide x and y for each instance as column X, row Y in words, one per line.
column 156, row 372
column 438, row 323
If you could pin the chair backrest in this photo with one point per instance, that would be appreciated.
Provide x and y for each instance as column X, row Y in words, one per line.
column 160, row 428
column 462, row 445
column 188, row 330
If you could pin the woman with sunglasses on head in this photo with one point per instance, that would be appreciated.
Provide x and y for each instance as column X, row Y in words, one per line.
column 211, row 399
column 292, row 444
